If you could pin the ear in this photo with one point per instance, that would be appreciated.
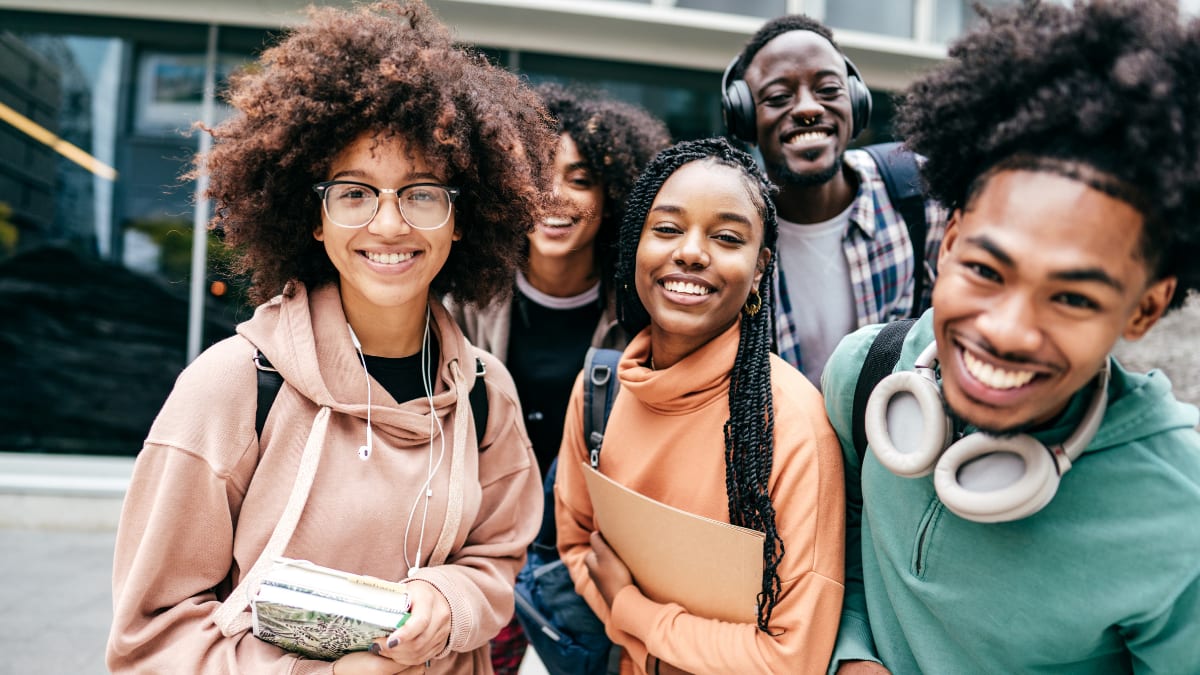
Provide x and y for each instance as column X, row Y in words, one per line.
column 1150, row 308
column 319, row 233
column 949, row 238
column 457, row 236
column 764, row 257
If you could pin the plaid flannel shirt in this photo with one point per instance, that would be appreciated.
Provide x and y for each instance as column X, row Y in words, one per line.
column 880, row 257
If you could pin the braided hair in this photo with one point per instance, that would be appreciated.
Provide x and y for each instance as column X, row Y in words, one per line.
column 750, row 429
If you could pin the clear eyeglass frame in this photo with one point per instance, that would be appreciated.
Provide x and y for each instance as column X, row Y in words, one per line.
column 417, row 221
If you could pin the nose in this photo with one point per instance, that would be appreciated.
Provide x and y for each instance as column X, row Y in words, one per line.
column 388, row 221
column 1010, row 326
column 806, row 106
column 692, row 251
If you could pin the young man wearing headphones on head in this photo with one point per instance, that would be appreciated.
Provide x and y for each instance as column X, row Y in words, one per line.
column 1056, row 532
column 845, row 255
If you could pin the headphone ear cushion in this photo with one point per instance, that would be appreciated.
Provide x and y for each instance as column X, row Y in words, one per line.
column 737, row 107
column 991, row 479
column 860, row 104
column 905, row 424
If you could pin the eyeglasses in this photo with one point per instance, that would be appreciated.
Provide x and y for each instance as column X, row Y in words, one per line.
column 347, row 203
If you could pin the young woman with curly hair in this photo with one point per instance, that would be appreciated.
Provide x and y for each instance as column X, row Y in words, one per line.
column 563, row 301
column 1035, row 511
column 709, row 421
column 371, row 165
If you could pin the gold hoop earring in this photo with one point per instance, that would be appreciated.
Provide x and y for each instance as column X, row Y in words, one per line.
column 753, row 303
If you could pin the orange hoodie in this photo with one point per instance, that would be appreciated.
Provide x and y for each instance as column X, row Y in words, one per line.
column 665, row 439
column 205, row 496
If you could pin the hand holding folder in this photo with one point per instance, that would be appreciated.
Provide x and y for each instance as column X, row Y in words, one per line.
column 713, row 569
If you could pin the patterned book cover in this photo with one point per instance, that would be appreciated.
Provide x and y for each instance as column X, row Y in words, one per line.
column 324, row 614
column 314, row 634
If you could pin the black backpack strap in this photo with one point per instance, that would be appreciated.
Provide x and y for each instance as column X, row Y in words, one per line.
column 881, row 359
column 479, row 402
column 902, row 178
column 600, row 387
column 269, row 382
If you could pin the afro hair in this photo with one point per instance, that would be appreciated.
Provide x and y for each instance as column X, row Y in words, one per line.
column 1105, row 92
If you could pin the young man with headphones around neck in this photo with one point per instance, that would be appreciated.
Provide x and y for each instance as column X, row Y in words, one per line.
column 1056, row 532
column 845, row 255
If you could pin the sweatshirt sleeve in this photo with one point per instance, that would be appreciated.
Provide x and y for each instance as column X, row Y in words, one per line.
column 855, row 641
column 808, row 495
column 174, row 545
column 477, row 579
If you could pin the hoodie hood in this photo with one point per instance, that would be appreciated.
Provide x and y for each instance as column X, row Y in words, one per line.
column 306, row 338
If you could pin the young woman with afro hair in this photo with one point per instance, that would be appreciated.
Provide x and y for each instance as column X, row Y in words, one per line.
column 371, row 165
column 709, row 421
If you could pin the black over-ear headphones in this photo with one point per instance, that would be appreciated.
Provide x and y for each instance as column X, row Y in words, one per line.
column 980, row 477
column 737, row 103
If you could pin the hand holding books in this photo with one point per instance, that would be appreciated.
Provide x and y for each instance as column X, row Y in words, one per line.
column 425, row 635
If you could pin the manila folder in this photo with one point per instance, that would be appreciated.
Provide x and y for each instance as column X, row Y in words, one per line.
column 713, row 569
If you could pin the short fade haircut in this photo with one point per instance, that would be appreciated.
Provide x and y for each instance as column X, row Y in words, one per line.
column 1107, row 93
column 773, row 29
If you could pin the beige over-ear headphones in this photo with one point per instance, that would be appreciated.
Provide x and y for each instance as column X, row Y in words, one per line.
column 984, row 478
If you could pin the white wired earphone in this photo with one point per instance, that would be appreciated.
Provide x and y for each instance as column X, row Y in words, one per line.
column 435, row 424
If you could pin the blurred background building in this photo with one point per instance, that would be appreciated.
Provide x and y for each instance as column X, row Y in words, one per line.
column 97, row 103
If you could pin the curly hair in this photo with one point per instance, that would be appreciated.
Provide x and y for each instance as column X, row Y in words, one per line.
column 1105, row 93
column 616, row 140
column 389, row 68
column 750, row 429
column 773, row 29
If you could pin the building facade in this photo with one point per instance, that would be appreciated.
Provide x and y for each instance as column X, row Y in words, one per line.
column 104, row 291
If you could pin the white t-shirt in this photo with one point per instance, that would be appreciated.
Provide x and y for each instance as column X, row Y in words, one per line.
column 818, row 287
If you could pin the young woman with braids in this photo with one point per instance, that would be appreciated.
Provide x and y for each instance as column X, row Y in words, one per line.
column 709, row 421
column 371, row 165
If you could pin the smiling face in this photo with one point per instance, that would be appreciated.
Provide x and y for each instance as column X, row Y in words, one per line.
column 801, row 106
column 574, row 220
column 388, row 264
column 699, row 256
column 1037, row 280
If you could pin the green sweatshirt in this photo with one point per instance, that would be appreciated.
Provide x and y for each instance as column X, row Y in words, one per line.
column 1105, row 579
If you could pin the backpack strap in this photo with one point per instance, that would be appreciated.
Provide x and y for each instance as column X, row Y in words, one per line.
column 881, row 359
column 479, row 402
column 902, row 178
column 270, row 381
column 600, row 386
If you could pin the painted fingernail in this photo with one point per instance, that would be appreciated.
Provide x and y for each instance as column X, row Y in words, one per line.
column 392, row 643
column 374, row 648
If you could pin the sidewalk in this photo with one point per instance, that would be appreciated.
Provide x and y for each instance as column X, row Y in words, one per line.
column 58, row 522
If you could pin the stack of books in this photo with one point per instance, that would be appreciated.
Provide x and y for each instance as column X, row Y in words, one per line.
column 323, row 613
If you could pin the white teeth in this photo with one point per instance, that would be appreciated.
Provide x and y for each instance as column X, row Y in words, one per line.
column 807, row 136
column 389, row 258
column 996, row 378
column 556, row 222
column 686, row 287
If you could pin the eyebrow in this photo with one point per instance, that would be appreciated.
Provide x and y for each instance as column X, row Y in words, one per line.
column 360, row 174
column 578, row 165
column 1093, row 274
column 724, row 216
